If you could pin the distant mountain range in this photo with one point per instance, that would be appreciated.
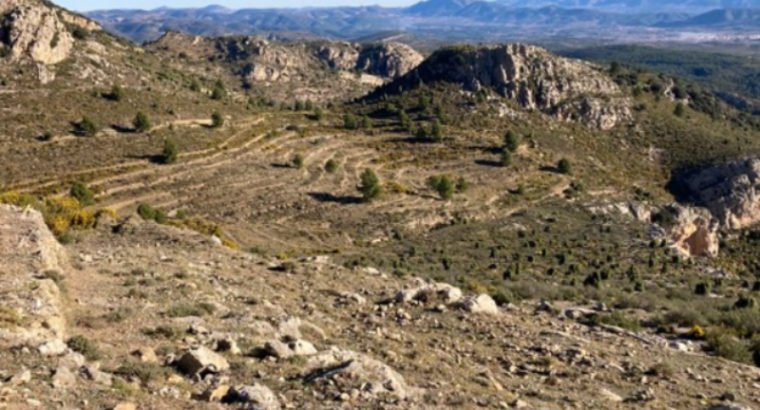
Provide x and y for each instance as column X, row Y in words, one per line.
column 459, row 20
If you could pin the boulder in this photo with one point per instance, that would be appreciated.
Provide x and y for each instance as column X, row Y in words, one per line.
column 430, row 293
column 479, row 304
column 357, row 371
column 201, row 360
column 258, row 396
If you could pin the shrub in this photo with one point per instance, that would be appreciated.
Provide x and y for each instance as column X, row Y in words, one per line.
column 186, row 310
column 141, row 122
column 85, row 346
column 331, row 166
column 219, row 92
column 145, row 372
column 367, row 123
column 725, row 344
column 436, row 131
column 564, row 166
column 170, row 152
column 370, row 187
column 87, row 127
column 702, row 289
column 146, row 212
column 442, row 185
column 505, row 159
column 350, row 122
column 462, row 185
column 79, row 33
column 404, row 120
column 511, row 141
column 680, row 110
column 217, row 120
column 318, row 114
column 297, row 161
column 82, row 193
column 116, row 93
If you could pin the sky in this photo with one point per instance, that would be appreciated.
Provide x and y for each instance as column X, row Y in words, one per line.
column 87, row 5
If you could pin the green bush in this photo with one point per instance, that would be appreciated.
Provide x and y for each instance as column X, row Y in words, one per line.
column 297, row 161
column 443, row 185
column 85, row 346
column 680, row 110
column 436, row 131
column 564, row 166
column 141, row 122
column 505, row 159
column 219, row 92
column 725, row 344
column 511, row 141
column 146, row 212
column 116, row 93
column 331, row 166
column 87, row 127
column 82, row 193
column 217, row 120
column 350, row 122
column 370, row 187
column 170, row 152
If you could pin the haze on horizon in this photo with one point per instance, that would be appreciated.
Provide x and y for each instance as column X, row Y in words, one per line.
column 89, row 5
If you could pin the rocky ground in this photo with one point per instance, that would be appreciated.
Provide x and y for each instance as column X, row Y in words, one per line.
column 156, row 317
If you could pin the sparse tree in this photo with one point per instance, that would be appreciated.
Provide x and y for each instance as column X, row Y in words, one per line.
column 318, row 114
column 369, row 186
column 404, row 120
column 350, row 122
column 219, row 92
column 506, row 158
column 680, row 110
column 170, row 153
column 141, row 122
column 116, row 93
column 367, row 123
column 217, row 120
column 297, row 161
column 443, row 185
column 331, row 166
column 436, row 131
column 87, row 127
column 511, row 141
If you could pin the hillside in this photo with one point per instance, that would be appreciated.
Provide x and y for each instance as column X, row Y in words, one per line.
column 266, row 222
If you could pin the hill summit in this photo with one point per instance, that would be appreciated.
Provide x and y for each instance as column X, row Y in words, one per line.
column 566, row 89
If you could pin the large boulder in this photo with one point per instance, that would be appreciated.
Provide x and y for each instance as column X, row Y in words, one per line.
column 348, row 370
column 693, row 231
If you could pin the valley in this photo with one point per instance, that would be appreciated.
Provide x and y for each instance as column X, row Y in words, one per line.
column 262, row 223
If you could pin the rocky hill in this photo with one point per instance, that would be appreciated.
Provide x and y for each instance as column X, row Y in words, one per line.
column 320, row 70
column 565, row 89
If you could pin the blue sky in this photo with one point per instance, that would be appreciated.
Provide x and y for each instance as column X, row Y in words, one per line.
column 86, row 5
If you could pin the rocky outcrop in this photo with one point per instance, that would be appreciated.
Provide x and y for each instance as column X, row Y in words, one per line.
column 38, row 31
column 262, row 60
column 566, row 89
column 692, row 230
column 730, row 191
column 388, row 60
column 31, row 311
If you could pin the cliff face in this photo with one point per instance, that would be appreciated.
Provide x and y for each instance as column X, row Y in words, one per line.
column 730, row 191
column 34, row 30
column 566, row 89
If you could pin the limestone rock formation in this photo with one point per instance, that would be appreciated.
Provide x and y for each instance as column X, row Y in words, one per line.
column 731, row 192
column 31, row 308
column 568, row 90
column 692, row 230
column 37, row 31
